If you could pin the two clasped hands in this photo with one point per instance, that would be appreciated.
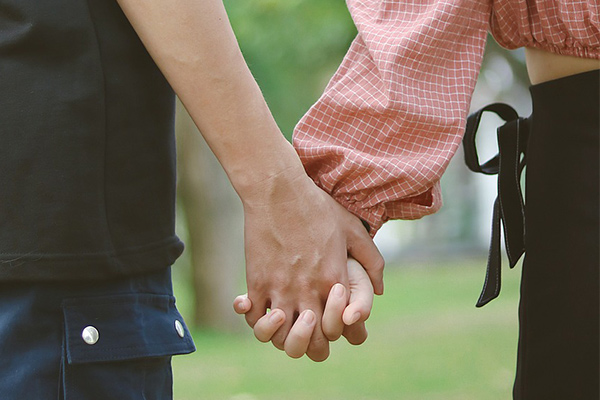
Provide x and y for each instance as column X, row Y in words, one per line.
column 313, row 264
column 299, row 240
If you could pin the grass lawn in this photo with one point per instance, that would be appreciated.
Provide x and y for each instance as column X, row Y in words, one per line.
column 427, row 341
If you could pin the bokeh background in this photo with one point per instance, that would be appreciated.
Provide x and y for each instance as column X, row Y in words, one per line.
column 427, row 340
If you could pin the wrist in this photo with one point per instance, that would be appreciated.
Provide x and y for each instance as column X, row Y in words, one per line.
column 267, row 171
column 280, row 182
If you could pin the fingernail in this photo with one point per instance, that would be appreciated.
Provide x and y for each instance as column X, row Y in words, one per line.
column 355, row 317
column 308, row 317
column 241, row 305
column 275, row 317
column 338, row 290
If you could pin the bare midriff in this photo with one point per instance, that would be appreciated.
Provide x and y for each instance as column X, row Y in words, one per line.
column 544, row 66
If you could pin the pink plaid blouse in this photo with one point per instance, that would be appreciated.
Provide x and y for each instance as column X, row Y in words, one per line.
column 392, row 116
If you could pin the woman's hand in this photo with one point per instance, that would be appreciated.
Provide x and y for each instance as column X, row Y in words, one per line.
column 339, row 316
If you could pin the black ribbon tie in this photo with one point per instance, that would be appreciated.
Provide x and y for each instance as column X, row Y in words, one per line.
column 509, row 206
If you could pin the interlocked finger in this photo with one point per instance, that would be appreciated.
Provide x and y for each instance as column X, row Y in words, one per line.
column 298, row 339
column 279, row 337
column 332, row 323
column 318, row 347
column 268, row 324
column 356, row 333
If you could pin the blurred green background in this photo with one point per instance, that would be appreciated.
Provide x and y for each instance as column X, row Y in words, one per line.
column 427, row 340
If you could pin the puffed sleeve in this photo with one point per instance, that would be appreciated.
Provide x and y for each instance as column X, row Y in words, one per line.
column 392, row 116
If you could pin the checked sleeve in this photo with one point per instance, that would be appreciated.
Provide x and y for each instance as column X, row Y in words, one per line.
column 393, row 115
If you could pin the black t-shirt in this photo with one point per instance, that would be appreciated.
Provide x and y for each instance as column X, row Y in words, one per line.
column 87, row 148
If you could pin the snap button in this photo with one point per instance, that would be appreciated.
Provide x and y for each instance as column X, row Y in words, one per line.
column 90, row 335
column 179, row 328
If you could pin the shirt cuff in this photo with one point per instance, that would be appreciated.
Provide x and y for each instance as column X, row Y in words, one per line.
column 409, row 208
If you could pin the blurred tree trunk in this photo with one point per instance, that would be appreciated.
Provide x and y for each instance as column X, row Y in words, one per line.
column 214, row 219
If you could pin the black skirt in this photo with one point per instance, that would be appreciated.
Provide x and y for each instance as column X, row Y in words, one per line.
column 558, row 356
column 557, row 227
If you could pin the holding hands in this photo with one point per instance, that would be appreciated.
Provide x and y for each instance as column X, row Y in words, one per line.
column 297, row 237
column 298, row 244
column 345, row 314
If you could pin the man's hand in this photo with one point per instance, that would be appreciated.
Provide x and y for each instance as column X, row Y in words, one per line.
column 339, row 317
column 297, row 237
column 297, row 242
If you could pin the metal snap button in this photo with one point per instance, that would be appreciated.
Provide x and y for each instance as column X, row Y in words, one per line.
column 90, row 335
column 179, row 328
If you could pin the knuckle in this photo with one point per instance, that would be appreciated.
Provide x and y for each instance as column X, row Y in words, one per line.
column 257, row 290
column 322, row 285
column 318, row 343
column 378, row 264
column 295, row 338
column 356, row 225
column 302, row 284
column 310, row 291
column 330, row 278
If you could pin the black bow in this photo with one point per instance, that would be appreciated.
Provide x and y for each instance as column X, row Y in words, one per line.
column 509, row 206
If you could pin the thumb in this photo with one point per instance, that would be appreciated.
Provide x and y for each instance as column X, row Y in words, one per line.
column 362, row 248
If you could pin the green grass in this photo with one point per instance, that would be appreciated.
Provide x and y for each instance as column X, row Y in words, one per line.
column 426, row 341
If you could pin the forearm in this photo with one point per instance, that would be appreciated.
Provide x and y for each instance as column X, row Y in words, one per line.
column 297, row 238
column 194, row 46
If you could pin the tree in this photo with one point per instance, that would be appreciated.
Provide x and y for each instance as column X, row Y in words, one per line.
column 214, row 218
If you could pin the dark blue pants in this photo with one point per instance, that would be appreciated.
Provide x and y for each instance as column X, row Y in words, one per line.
column 88, row 340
